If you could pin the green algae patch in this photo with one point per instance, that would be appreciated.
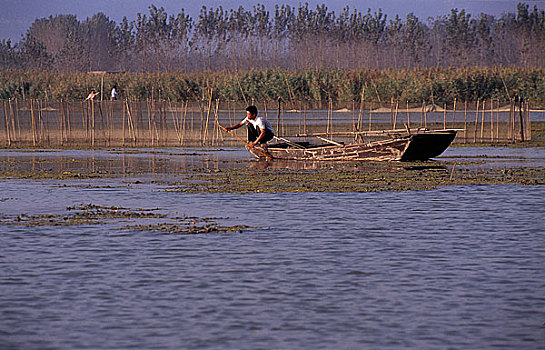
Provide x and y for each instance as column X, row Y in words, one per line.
column 88, row 214
column 50, row 174
column 177, row 228
column 361, row 177
column 91, row 214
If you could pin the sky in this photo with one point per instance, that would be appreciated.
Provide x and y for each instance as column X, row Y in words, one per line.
column 16, row 16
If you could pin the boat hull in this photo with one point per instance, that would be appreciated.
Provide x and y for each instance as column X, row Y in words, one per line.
column 414, row 147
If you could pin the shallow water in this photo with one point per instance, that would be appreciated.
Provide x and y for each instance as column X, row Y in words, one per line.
column 457, row 267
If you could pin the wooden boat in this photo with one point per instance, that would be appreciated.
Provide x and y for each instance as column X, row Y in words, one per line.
column 413, row 147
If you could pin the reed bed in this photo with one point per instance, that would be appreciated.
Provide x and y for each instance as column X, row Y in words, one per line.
column 436, row 85
column 165, row 123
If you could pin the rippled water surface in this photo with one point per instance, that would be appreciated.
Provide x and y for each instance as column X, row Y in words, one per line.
column 452, row 268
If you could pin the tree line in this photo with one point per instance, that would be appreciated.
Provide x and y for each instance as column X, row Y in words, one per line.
column 282, row 38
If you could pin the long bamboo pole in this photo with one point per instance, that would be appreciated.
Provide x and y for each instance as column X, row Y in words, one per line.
column 241, row 139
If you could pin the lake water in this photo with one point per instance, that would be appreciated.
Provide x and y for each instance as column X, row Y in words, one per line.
column 453, row 268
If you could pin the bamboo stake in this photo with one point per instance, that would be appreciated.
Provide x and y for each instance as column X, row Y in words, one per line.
column 304, row 117
column 61, row 121
column 17, row 119
column 201, row 133
column 68, row 117
column 370, row 113
column 13, row 123
column 192, row 129
column 521, row 121
column 207, row 117
column 395, row 114
column 84, row 119
column 491, row 120
column 148, row 105
column 33, row 122
column 8, row 137
column 422, row 114
column 353, row 118
column 130, row 122
column 360, row 111
column 476, row 123
column 180, row 122
column 229, row 117
column 408, row 116
column 454, row 114
column 184, row 122
column 123, row 125
column 392, row 112
column 465, row 121
column 328, row 116
column 155, row 128
column 43, row 123
column 138, row 123
column 425, row 115
column 528, row 122
column 93, row 130
column 282, row 120
column 175, row 121
column 220, row 135
column 278, row 118
column 498, row 121
column 217, row 131
column 444, row 116
column 134, row 123
column 482, row 120
column 511, row 120
column 110, row 120
column 163, row 123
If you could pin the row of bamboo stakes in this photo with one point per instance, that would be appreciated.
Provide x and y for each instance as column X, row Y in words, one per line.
column 517, row 128
column 159, row 122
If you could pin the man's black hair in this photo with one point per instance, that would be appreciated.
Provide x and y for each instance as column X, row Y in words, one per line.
column 252, row 109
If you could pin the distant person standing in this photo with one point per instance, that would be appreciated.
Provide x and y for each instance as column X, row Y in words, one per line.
column 92, row 95
column 114, row 93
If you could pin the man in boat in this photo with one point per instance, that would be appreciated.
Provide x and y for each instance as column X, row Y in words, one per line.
column 260, row 130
